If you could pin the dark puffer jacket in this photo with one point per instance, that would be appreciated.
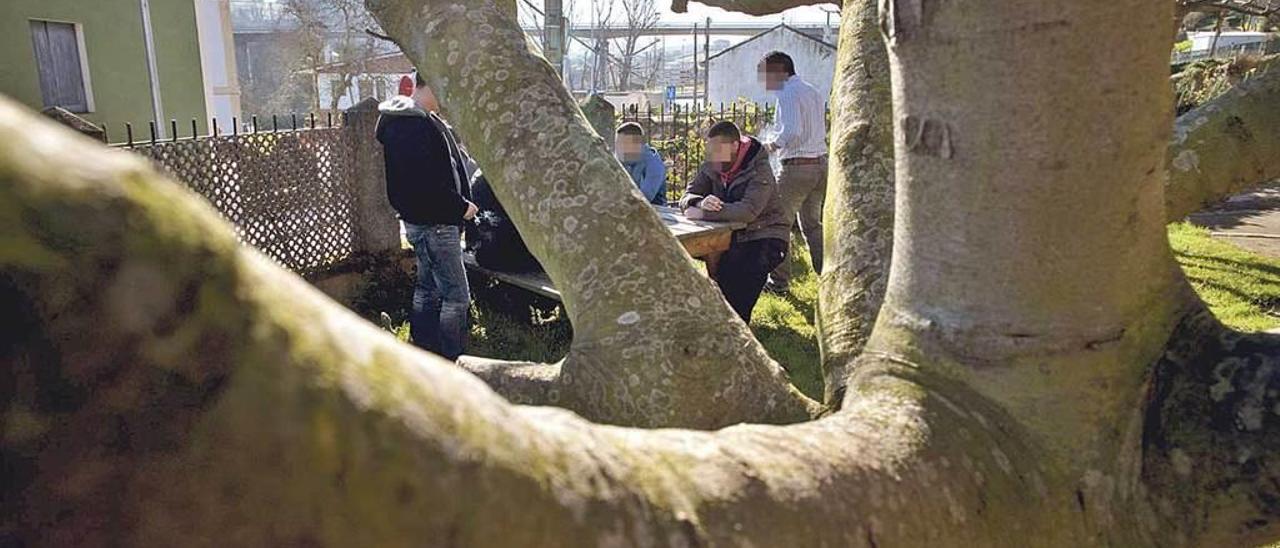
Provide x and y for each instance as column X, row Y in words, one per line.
column 426, row 178
column 493, row 237
column 751, row 197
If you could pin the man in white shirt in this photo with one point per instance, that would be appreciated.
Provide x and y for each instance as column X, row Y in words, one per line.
column 800, row 142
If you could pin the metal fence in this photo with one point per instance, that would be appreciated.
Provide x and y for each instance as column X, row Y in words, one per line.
column 288, row 191
column 309, row 191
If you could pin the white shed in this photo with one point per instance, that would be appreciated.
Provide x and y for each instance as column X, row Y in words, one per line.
column 731, row 73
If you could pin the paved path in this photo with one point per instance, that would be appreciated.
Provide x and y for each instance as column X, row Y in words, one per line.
column 1250, row 220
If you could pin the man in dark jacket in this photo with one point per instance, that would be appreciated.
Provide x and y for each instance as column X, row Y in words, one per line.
column 426, row 183
column 736, row 184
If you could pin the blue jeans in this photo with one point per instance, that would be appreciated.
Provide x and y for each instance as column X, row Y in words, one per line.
column 440, row 319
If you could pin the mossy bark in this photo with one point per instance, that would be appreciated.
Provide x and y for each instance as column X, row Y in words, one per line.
column 169, row 387
column 1212, row 435
column 654, row 341
column 859, row 206
column 1040, row 374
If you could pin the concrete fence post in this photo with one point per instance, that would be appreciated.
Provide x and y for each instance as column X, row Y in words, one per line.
column 601, row 114
column 376, row 227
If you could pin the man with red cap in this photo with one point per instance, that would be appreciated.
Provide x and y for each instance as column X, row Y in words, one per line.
column 427, row 185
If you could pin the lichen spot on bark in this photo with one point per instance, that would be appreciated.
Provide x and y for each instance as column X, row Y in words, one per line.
column 140, row 295
column 629, row 318
column 1181, row 462
column 1223, row 372
column 1186, row 160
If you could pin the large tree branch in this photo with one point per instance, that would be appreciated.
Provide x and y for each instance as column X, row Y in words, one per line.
column 1260, row 8
column 1226, row 146
column 750, row 7
column 653, row 338
column 859, row 211
column 168, row 387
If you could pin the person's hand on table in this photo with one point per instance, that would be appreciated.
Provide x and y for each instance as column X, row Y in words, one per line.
column 711, row 203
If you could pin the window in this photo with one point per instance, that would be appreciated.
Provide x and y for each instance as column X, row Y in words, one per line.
column 59, row 60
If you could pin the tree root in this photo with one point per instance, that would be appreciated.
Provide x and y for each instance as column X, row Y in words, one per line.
column 523, row 383
column 1212, row 444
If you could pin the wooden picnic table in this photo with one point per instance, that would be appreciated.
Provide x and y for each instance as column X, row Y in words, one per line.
column 700, row 238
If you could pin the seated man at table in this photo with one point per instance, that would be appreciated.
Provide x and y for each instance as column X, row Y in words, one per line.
column 641, row 162
column 736, row 184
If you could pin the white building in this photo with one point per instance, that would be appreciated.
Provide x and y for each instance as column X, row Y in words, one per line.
column 377, row 77
column 218, row 60
column 732, row 75
column 1202, row 41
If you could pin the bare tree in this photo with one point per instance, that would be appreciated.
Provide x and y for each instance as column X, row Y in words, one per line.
column 601, row 18
column 639, row 16
column 336, row 28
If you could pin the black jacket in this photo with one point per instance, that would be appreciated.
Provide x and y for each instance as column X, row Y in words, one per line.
column 426, row 178
column 493, row 237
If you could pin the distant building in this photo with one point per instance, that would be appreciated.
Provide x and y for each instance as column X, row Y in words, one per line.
column 731, row 73
column 121, row 61
column 377, row 77
column 1202, row 41
column 287, row 67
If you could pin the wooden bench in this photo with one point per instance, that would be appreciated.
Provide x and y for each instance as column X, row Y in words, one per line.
column 534, row 282
column 699, row 238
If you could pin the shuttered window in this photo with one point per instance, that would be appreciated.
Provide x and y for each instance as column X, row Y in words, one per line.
column 57, row 50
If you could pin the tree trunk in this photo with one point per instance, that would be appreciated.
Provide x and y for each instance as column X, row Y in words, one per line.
column 859, row 206
column 653, row 339
column 1226, row 145
column 1027, row 248
column 165, row 386
column 1217, row 33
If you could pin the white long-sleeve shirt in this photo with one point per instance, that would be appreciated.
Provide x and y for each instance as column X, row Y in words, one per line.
column 800, row 125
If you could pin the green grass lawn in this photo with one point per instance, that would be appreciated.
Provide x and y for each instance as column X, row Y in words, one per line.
column 1242, row 288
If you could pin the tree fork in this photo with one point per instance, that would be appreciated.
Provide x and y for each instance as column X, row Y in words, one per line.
column 171, row 387
column 653, row 339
